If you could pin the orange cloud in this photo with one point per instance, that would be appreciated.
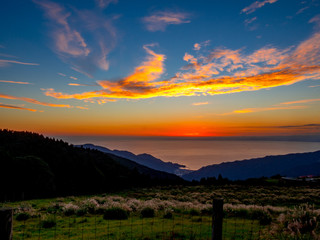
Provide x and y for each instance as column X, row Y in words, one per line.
column 160, row 20
column 30, row 100
column 16, row 107
column 200, row 103
column 5, row 81
column 222, row 71
column 302, row 101
column 79, row 84
column 253, row 110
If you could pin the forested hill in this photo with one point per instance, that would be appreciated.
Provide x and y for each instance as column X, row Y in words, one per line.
column 36, row 166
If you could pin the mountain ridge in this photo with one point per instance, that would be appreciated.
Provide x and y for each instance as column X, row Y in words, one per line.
column 293, row 165
column 143, row 159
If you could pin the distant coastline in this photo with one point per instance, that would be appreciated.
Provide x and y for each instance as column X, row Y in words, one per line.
column 198, row 152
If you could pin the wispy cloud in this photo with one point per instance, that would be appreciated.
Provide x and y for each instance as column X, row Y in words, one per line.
column 200, row 103
column 263, row 109
column 104, row 3
column 5, row 62
column 311, row 125
column 84, row 108
column 34, row 101
column 315, row 86
column 74, row 78
column 7, row 55
column 15, row 82
column 68, row 28
column 79, row 84
column 302, row 101
column 62, row 74
column 256, row 5
column 16, row 107
column 67, row 40
column 250, row 24
column 250, row 20
column 315, row 20
column 161, row 19
column 222, row 71
column 198, row 46
column 275, row 107
column 301, row 10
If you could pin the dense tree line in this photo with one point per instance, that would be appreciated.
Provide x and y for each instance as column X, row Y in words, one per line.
column 32, row 165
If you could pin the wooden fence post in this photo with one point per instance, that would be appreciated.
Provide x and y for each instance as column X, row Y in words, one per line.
column 6, row 215
column 217, row 218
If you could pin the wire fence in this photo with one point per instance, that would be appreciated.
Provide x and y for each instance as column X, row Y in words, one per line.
column 180, row 226
column 190, row 224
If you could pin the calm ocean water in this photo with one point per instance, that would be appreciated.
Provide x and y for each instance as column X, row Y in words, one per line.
column 197, row 153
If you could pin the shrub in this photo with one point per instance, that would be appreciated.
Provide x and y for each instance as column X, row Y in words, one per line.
column 147, row 212
column 48, row 222
column 70, row 209
column 265, row 219
column 80, row 212
column 194, row 212
column 22, row 216
column 168, row 215
column 257, row 214
column 115, row 214
column 207, row 211
column 299, row 223
column 54, row 208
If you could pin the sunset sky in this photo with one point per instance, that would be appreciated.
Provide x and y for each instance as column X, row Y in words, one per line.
column 160, row 68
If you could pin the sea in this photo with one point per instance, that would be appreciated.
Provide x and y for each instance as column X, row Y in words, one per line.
column 196, row 153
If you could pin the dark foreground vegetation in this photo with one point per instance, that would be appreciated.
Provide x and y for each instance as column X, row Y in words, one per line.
column 173, row 212
column 34, row 166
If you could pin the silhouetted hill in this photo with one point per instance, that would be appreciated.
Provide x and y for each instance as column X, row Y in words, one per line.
column 290, row 165
column 39, row 166
column 144, row 159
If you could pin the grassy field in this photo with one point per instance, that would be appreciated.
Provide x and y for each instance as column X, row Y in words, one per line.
column 135, row 227
column 178, row 212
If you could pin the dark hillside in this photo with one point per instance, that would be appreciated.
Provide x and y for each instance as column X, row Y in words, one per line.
column 290, row 165
column 36, row 166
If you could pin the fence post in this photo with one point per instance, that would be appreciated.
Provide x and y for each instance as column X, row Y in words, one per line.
column 6, row 215
column 217, row 218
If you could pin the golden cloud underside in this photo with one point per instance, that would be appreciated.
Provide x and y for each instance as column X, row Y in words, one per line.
column 136, row 89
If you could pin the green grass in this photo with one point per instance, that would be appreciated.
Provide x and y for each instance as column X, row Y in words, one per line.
column 190, row 207
column 95, row 227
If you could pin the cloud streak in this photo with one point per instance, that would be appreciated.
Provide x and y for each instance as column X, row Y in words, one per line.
column 161, row 19
column 83, row 85
column 17, row 107
column 15, row 82
column 254, row 110
column 105, row 3
column 34, row 101
column 302, row 101
column 256, row 5
column 5, row 62
column 200, row 103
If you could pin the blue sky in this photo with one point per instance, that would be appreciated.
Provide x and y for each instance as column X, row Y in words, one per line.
column 154, row 68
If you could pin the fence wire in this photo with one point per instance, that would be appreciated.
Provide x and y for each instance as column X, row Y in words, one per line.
column 180, row 226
